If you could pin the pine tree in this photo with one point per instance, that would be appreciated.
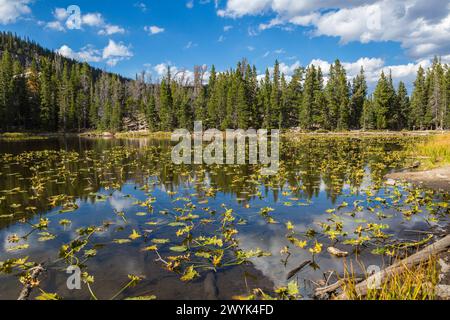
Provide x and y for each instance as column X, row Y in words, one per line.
column 320, row 115
column 294, row 97
column 404, row 107
column 6, row 89
column 446, row 110
column 382, row 99
column 243, row 114
column 83, row 97
column 368, row 117
column 275, row 95
column 337, row 95
column 229, row 121
column 213, row 100
column 343, row 92
column 42, row 90
column 359, row 93
column 436, row 96
column 200, row 103
column 20, row 111
column 46, row 112
column 152, row 114
column 264, row 100
column 166, row 112
column 64, row 98
column 308, row 101
column 222, row 97
column 116, row 105
column 33, row 94
column 418, row 101
column 252, row 92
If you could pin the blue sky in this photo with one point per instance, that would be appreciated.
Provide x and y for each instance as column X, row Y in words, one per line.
column 130, row 36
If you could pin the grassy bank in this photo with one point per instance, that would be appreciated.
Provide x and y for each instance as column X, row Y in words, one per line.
column 17, row 136
column 416, row 283
column 129, row 134
column 435, row 151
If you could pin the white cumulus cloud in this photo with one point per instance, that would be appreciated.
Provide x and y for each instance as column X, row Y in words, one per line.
column 111, row 54
column 111, row 29
column 11, row 10
column 153, row 29
column 422, row 27
column 115, row 52
column 90, row 19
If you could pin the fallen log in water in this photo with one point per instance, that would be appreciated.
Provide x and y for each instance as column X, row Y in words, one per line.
column 362, row 288
column 28, row 286
column 384, row 275
column 297, row 270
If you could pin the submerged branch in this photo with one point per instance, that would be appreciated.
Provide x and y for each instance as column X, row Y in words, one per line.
column 29, row 284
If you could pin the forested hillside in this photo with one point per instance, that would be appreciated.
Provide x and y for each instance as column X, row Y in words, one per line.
column 41, row 90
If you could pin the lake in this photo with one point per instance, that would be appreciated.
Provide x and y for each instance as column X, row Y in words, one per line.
column 139, row 226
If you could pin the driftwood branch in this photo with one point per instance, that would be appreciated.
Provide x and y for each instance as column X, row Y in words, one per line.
column 297, row 270
column 386, row 274
column 321, row 292
column 28, row 286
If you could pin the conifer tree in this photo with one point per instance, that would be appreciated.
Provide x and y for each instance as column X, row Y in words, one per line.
column 368, row 118
column 33, row 90
column 404, row 107
column 213, row 100
column 6, row 89
column 46, row 112
column 308, row 101
column 265, row 101
column 418, row 101
column 359, row 92
column 275, row 95
column 64, row 98
column 382, row 98
column 20, row 115
column 165, row 98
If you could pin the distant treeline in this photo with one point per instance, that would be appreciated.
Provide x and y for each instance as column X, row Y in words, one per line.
column 41, row 90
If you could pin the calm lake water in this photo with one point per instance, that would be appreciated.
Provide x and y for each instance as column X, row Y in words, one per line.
column 227, row 227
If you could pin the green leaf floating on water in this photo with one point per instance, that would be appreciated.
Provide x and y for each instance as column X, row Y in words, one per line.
column 177, row 224
column 90, row 253
column 18, row 247
column 190, row 274
column 178, row 249
column 121, row 241
column 292, row 288
column 47, row 296
column 45, row 236
column 160, row 241
column 134, row 235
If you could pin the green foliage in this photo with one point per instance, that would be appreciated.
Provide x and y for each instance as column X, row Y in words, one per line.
column 40, row 90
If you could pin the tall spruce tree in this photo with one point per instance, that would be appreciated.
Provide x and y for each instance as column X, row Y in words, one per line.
column 418, row 101
column 359, row 93
column 404, row 107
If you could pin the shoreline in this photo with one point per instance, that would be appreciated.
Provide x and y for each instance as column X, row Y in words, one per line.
column 437, row 179
column 289, row 132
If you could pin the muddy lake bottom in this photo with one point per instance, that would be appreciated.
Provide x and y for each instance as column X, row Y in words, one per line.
column 139, row 226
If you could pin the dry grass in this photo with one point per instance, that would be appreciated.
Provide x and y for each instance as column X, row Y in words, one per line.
column 436, row 150
column 417, row 283
column 13, row 136
column 144, row 134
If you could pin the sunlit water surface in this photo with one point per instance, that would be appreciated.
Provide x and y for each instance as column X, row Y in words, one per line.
column 109, row 181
